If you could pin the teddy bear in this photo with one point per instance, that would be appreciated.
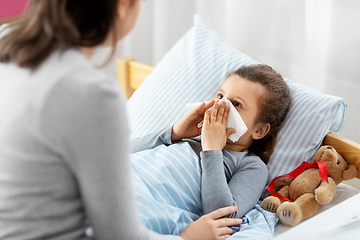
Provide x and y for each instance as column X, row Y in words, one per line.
column 298, row 197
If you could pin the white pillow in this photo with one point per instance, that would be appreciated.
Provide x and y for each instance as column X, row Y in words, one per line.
column 194, row 69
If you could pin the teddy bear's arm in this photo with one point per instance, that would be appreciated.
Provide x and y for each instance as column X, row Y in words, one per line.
column 325, row 192
column 282, row 182
column 284, row 192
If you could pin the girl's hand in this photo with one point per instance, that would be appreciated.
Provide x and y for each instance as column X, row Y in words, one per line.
column 187, row 127
column 212, row 226
column 214, row 133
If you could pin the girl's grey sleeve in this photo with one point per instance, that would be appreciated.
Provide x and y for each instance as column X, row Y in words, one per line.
column 151, row 140
column 243, row 190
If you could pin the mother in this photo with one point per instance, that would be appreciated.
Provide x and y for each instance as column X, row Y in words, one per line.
column 63, row 130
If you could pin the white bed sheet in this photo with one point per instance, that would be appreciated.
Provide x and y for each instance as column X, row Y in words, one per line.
column 343, row 192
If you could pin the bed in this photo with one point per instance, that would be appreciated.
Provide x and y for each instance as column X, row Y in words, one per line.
column 192, row 71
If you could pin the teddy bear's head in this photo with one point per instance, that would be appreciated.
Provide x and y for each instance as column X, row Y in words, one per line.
column 338, row 168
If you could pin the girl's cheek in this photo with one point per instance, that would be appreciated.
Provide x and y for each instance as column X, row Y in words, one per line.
column 247, row 121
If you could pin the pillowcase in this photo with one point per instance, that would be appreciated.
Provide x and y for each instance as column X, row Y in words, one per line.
column 194, row 69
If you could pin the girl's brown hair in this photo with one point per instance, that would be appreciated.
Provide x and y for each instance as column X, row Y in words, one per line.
column 51, row 24
column 274, row 105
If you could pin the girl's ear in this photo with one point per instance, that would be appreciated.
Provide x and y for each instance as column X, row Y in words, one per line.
column 261, row 131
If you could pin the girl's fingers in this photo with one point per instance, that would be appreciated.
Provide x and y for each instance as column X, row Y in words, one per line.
column 221, row 212
column 214, row 112
column 230, row 131
column 207, row 117
column 225, row 222
column 199, row 109
column 225, row 231
column 209, row 104
column 204, row 106
column 224, row 236
column 226, row 115
column 222, row 111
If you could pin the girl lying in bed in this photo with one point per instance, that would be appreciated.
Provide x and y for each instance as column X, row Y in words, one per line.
column 233, row 173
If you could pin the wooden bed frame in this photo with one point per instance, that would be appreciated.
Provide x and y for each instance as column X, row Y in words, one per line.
column 131, row 74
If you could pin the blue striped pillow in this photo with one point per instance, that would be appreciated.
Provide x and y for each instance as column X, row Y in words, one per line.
column 194, row 69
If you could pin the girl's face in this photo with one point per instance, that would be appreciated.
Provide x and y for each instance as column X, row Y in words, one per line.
column 245, row 97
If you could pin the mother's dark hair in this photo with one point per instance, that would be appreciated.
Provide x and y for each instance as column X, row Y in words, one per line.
column 51, row 24
column 273, row 105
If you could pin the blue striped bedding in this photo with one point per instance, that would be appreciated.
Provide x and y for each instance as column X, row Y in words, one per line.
column 167, row 189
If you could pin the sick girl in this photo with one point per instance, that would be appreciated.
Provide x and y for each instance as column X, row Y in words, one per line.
column 233, row 173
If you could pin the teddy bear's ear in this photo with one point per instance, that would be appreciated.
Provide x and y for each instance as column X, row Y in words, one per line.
column 349, row 173
column 318, row 154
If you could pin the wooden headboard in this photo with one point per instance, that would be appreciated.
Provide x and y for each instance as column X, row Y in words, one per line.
column 350, row 150
column 132, row 73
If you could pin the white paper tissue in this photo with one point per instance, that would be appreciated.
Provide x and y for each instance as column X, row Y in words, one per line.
column 234, row 119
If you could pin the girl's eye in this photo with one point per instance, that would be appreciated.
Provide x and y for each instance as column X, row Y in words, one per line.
column 236, row 104
column 219, row 96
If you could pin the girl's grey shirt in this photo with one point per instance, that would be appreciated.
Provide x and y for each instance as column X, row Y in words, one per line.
column 64, row 162
column 228, row 178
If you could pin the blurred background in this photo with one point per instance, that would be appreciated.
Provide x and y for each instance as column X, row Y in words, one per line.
column 314, row 43
column 11, row 9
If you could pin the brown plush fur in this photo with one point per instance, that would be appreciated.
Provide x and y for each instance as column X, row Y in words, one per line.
column 308, row 190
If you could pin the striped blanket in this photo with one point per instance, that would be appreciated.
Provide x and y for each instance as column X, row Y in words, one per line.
column 167, row 188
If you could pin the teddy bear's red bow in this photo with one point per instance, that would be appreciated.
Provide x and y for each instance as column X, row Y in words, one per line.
column 305, row 165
